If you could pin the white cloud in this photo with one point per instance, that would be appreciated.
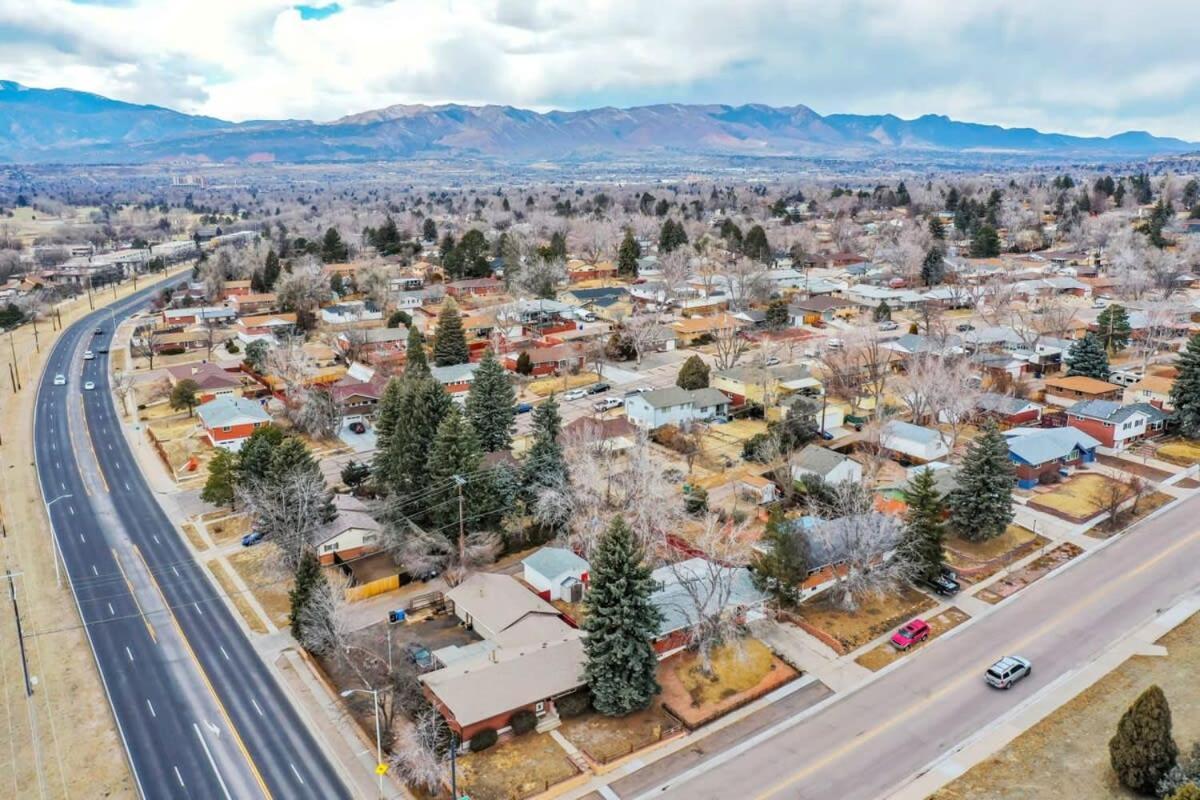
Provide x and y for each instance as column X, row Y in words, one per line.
column 1071, row 65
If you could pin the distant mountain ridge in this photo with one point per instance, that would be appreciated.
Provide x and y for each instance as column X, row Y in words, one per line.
column 62, row 125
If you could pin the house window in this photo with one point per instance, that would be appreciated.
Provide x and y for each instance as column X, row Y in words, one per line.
column 328, row 548
column 226, row 429
column 540, row 707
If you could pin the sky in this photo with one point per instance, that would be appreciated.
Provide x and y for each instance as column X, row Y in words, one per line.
column 1087, row 67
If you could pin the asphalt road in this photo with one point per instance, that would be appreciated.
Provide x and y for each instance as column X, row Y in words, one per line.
column 868, row 743
column 200, row 715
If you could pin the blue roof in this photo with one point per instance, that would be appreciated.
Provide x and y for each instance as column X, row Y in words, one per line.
column 1036, row 446
column 554, row 561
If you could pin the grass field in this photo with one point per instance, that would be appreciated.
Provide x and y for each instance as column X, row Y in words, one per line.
column 228, row 587
column 269, row 588
column 739, row 673
column 518, row 767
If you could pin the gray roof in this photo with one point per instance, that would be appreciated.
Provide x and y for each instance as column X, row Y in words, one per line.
column 674, row 601
column 913, row 433
column 230, row 411
column 1042, row 445
column 674, row 396
column 750, row 374
column 554, row 561
column 1112, row 411
column 945, row 480
column 827, row 539
column 819, row 460
column 1003, row 403
column 455, row 373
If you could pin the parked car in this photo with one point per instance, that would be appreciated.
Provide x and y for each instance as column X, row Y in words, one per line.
column 60, row 380
column 98, row 332
column 910, row 634
column 772, row 361
column 963, row 327
column 638, row 390
column 1007, row 671
column 358, row 426
column 252, row 538
column 827, row 436
column 419, row 654
column 88, row 355
column 607, row 403
column 888, row 325
column 946, row 583
column 524, row 408
column 598, row 388
column 834, row 344
column 575, row 394
column 89, row 385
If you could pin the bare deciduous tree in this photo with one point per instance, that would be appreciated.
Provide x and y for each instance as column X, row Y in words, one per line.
column 419, row 752
column 728, row 345
column 287, row 511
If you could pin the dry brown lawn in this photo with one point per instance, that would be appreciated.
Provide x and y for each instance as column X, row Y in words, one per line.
column 1180, row 451
column 1033, row 571
column 193, row 535
column 228, row 587
column 1066, row 754
column 976, row 561
column 606, row 739
column 518, row 767
column 229, row 527
column 269, row 588
column 1146, row 506
column 740, row 673
column 1079, row 497
column 543, row 387
column 879, row 657
column 873, row 618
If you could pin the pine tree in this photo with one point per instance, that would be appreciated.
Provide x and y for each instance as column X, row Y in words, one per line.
column 937, row 229
column 307, row 578
column 882, row 311
column 982, row 506
column 933, row 268
column 777, row 314
column 1142, row 751
column 985, row 243
column 270, row 271
column 492, row 405
column 429, row 230
column 620, row 622
column 254, row 457
column 1185, row 392
column 672, row 236
column 450, row 346
column 1087, row 357
column 628, row 255
column 387, row 418
column 333, row 249
column 755, row 245
column 222, row 470
column 1113, row 328
column 693, row 374
column 426, row 404
column 524, row 363
column 416, row 363
column 453, row 455
column 544, row 465
column 923, row 525
column 783, row 565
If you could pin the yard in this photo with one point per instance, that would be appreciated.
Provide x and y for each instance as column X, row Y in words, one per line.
column 1066, row 754
column 740, row 673
column 518, row 767
column 543, row 387
column 1145, row 506
column 228, row 527
column 269, row 587
column 879, row 657
column 605, row 739
column 1078, row 499
column 975, row 561
column 1034, row 570
column 847, row 631
column 1179, row 451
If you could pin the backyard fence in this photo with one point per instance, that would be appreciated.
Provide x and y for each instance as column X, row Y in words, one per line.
column 372, row 588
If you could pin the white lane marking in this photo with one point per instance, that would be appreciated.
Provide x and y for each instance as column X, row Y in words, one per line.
column 58, row 465
column 118, row 464
column 179, row 777
column 129, row 652
column 95, row 571
column 223, row 652
column 111, row 611
column 198, row 608
column 110, row 447
column 175, row 570
column 71, row 509
column 296, row 773
column 63, row 485
column 83, row 538
column 216, row 771
column 53, row 446
column 151, row 707
column 154, row 536
column 127, row 486
column 254, row 703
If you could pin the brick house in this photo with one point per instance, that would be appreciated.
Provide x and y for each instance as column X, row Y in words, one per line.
column 1068, row 391
column 229, row 421
column 1115, row 425
column 743, row 601
column 1006, row 409
column 550, row 360
column 475, row 287
column 352, row 533
column 211, row 381
column 1152, row 389
column 1039, row 452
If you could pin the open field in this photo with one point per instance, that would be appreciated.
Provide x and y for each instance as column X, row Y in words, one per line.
column 605, row 739
column 269, row 588
column 1079, row 498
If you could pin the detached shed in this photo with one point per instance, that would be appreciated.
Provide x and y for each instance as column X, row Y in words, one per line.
column 556, row 574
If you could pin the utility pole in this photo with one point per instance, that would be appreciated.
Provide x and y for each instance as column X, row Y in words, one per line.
column 11, row 577
column 91, row 307
column 14, row 366
column 462, row 528
column 37, row 342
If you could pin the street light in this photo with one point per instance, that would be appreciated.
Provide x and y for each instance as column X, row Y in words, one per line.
column 54, row 540
column 378, row 740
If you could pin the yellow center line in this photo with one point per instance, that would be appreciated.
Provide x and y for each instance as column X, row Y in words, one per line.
column 925, row 701
column 133, row 594
column 204, row 675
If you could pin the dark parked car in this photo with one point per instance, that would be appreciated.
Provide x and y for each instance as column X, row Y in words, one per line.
column 252, row 538
column 358, row 427
column 964, row 327
column 524, row 408
column 597, row 388
column 419, row 654
column 946, row 584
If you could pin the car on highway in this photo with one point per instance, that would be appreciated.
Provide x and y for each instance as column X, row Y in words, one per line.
column 575, row 394
column 88, row 355
column 915, row 631
column 89, row 385
column 944, row 583
column 98, row 332
column 1007, row 671
column 102, row 350
column 252, row 538
column 419, row 654
column 598, row 388
column 60, row 380
column 608, row 403
column 524, row 408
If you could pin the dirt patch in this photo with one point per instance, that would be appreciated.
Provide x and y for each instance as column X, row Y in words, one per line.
column 269, row 588
column 1180, row 451
column 1128, row 465
column 1066, row 754
column 741, row 674
column 519, row 767
column 1078, row 499
column 850, row 630
column 605, row 739
column 229, row 527
column 1033, row 571
column 879, row 657
column 193, row 536
column 229, row 587
column 1146, row 506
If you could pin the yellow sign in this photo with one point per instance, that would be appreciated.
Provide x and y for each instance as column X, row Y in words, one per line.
column 381, row 769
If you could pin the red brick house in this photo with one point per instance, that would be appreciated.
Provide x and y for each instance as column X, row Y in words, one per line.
column 211, row 380
column 229, row 421
column 557, row 358
column 1008, row 410
column 1068, row 391
column 475, row 287
column 1115, row 425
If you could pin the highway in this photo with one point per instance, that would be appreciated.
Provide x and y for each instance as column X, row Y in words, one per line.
column 200, row 715
column 866, row 744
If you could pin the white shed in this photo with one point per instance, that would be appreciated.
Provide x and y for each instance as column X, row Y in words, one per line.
column 555, row 573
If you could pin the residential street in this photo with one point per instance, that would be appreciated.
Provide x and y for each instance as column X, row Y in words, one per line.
column 866, row 744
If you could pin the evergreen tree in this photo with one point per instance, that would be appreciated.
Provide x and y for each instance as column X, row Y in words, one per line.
column 1185, row 392
column 883, row 311
column 672, row 236
column 429, row 230
column 271, row 271
column 333, row 249
column 693, row 374
column 450, row 345
column 1087, row 357
column 982, row 506
column 416, row 363
column 923, row 525
column 492, row 405
column 307, row 579
column 756, row 246
column 1142, row 751
column 183, row 395
column 544, row 464
column 933, row 268
column 254, row 457
column 426, row 404
column 524, row 363
column 222, row 475
column 902, row 196
column 387, row 417
column 628, row 255
column 777, row 314
column 620, row 622
column 783, row 564
column 455, row 455
column 355, row 474
column 1113, row 328
column 937, row 229
column 985, row 243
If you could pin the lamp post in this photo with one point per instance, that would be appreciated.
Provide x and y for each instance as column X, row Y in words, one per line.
column 378, row 740
column 54, row 541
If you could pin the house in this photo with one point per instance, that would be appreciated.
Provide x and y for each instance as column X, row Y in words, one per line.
column 229, row 421
column 829, row 541
column 762, row 491
column 351, row 313
column 375, row 345
column 1007, row 409
column 945, row 480
column 276, row 324
column 214, row 315
column 556, row 574
column 614, row 434
column 1115, row 425
column 1041, row 452
column 1068, row 391
column 457, row 378
column 499, row 608
column 676, row 601
column 913, row 442
column 253, row 303
column 550, row 360
column 211, row 381
column 357, row 399
column 829, row 465
column 675, row 406
column 235, row 289
column 352, row 533
column 765, row 386
column 1152, row 389
column 475, row 287
column 695, row 329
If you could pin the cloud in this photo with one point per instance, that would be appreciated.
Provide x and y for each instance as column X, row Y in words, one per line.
column 1067, row 66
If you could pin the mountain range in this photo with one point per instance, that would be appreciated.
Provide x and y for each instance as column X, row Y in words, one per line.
column 67, row 126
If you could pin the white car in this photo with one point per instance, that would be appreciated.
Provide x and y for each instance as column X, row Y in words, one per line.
column 607, row 403
column 834, row 344
column 575, row 394
column 60, row 380
column 88, row 355
column 89, row 386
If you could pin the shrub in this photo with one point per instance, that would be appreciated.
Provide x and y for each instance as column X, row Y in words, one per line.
column 483, row 740
column 231, row 347
column 523, row 721
column 1050, row 478
column 574, row 704
column 1142, row 752
column 172, row 351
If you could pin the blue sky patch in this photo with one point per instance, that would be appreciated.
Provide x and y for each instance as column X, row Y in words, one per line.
column 318, row 12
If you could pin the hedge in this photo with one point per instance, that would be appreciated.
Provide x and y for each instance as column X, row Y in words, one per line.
column 483, row 740
column 523, row 721
column 574, row 704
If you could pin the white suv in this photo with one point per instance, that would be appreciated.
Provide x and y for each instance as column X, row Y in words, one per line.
column 1007, row 671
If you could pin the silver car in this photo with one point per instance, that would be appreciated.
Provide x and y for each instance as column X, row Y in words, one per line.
column 1007, row 671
